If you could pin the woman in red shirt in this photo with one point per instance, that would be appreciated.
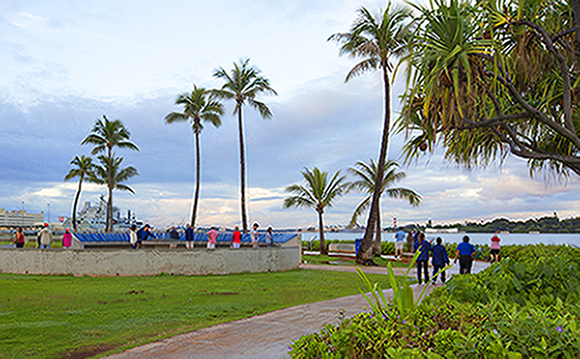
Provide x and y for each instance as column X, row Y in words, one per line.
column 19, row 238
column 236, row 238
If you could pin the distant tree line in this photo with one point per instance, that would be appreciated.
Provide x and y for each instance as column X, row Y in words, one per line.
column 548, row 224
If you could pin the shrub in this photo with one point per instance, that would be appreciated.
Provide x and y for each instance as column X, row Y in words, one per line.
column 523, row 306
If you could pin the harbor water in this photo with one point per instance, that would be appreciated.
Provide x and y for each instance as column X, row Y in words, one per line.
column 475, row 238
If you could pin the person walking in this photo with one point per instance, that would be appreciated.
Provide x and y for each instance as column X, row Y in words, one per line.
column 400, row 237
column 143, row 234
column 212, row 238
column 66, row 239
column 495, row 247
column 423, row 246
column 236, row 238
column 269, row 237
column 19, row 238
column 254, row 235
column 440, row 259
column 45, row 237
column 189, row 237
column 466, row 253
column 133, row 239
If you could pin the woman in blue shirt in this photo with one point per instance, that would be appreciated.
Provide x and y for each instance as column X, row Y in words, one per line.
column 423, row 259
column 466, row 254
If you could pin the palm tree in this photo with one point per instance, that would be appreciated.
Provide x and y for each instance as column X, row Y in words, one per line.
column 375, row 39
column 243, row 84
column 367, row 174
column 83, row 169
column 110, row 173
column 199, row 105
column 318, row 193
column 106, row 135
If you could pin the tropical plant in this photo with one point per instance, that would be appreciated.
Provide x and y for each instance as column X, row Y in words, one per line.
column 111, row 174
column 243, row 84
column 106, row 135
column 367, row 178
column 376, row 38
column 496, row 77
column 198, row 106
column 319, row 192
column 83, row 169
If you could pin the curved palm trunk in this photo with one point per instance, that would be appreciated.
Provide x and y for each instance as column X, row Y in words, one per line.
column 364, row 251
column 197, row 179
column 242, row 172
column 377, row 245
column 323, row 250
column 75, row 204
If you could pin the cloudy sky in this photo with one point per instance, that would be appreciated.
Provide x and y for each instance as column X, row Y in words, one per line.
column 65, row 64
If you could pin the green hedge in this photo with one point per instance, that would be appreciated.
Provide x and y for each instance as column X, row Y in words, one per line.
column 525, row 306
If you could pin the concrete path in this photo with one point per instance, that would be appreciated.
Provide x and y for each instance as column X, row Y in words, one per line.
column 268, row 335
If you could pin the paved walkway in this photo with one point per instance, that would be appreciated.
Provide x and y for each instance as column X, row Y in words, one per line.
column 268, row 335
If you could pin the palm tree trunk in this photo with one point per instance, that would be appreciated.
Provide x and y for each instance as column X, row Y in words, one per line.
column 377, row 245
column 75, row 204
column 243, row 171
column 197, row 178
column 364, row 253
column 109, row 217
column 109, row 226
column 323, row 250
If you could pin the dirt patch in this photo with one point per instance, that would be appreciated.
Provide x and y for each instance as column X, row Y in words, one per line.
column 219, row 293
column 86, row 351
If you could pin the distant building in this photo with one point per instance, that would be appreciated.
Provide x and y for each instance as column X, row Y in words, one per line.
column 20, row 218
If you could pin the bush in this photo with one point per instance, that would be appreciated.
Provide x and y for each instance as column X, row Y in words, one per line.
column 523, row 306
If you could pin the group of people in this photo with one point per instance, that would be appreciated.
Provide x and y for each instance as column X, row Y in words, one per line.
column 136, row 237
column 464, row 253
column 44, row 238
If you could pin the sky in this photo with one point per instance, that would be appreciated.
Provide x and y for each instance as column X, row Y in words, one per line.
column 65, row 64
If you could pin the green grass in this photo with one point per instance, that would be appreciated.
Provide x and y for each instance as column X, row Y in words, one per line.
column 320, row 259
column 66, row 316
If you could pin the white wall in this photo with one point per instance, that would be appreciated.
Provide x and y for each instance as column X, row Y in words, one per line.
column 127, row 262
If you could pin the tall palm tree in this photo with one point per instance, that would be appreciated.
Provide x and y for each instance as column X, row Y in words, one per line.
column 367, row 178
column 110, row 173
column 198, row 106
column 376, row 38
column 106, row 135
column 243, row 84
column 318, row 193
column 83, row 168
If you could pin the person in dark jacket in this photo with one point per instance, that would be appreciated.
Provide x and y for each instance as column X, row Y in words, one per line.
column 440, row 260
column 424, row 247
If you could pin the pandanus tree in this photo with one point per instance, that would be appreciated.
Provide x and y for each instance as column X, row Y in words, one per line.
column 489, row 78
column 366, row 174
column 105, row 136
column 375, row 39
column 83, row 169
column 199, row 106
column 244, row 84
column 318, row 192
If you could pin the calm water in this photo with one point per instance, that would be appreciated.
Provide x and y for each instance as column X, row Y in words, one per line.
column 475, row 238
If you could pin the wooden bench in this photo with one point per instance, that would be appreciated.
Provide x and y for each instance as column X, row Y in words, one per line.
column 342, row 248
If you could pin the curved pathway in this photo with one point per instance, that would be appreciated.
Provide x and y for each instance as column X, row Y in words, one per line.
column 268, row 335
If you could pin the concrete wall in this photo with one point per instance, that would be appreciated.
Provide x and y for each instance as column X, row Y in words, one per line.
column 127, row 262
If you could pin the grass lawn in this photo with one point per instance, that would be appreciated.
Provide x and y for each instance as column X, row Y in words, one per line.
column 78, row 317
column 320, row 259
